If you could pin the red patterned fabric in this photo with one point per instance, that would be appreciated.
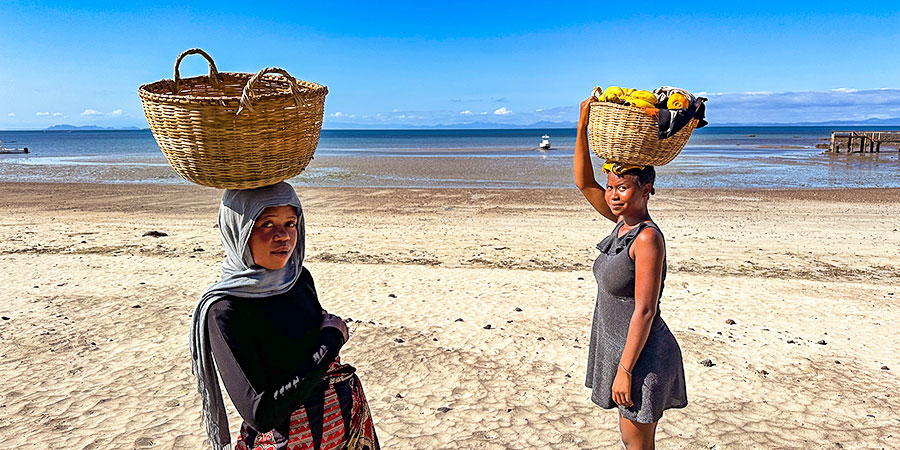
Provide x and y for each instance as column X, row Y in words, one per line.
column 357, row 434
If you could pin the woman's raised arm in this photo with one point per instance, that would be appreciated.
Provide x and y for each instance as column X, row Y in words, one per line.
column 584, row 171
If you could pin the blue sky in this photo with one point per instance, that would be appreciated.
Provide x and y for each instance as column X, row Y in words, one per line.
column 427, row 63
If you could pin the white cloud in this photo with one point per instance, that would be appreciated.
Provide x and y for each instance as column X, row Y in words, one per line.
column 11, row 114
column 483, row 113
column 502, row 111
column 803, row 106
column 91, row 112
column 539, row 110
column 116, row 113
column 466, row 113
column 338, row 114
column 42, row 114
column 57, row 114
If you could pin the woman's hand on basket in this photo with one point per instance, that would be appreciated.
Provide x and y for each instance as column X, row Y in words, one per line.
column 621, row 389
column 333, row 321
column 585, row 112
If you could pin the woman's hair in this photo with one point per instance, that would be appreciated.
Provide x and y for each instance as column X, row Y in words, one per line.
column 644, row 176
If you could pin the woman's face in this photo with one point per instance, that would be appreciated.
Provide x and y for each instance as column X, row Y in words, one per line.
column 624, row 195
column 274, row 237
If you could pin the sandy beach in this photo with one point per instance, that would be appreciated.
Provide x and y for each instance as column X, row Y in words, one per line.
column 470, row 314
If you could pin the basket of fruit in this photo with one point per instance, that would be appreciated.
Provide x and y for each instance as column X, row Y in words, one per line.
column 235, row 130
column 624, row 124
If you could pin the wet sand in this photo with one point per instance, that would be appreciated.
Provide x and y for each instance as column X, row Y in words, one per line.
column 95, row 315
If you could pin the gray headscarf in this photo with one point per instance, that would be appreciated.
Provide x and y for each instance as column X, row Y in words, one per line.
column 240, row 278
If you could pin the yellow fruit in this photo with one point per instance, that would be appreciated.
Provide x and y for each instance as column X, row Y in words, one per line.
column 646, row 96
column 639, row 103
column 677, row 101
column 615, row 91
column 630, row 91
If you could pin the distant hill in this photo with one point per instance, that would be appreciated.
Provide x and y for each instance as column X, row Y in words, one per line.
column 890, row 122
column 455, row 126
column 64, row 127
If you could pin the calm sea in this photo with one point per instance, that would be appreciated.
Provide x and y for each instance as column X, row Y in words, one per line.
column 735, row 157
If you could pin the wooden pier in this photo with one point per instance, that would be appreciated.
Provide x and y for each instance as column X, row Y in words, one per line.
column 864, row 141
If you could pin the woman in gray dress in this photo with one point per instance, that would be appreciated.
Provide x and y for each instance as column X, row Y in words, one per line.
column 634, row 362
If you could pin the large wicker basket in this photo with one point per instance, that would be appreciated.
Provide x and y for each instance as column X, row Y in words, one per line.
column 235, row 130
column 627, row 134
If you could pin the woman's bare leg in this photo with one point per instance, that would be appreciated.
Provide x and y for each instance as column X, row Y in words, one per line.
column 637, row 436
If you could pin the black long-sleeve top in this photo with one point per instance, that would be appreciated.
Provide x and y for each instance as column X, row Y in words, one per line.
column 271, row 353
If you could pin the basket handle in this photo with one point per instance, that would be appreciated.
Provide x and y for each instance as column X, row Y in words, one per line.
column 248, row 97
column 214, row 77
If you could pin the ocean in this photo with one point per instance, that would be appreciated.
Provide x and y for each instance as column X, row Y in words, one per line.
column 727, row 157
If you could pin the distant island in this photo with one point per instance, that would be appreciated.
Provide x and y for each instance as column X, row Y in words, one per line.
column 65, row 127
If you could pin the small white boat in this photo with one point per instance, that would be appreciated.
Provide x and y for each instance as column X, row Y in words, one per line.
column 545, row 142
column 5, row 150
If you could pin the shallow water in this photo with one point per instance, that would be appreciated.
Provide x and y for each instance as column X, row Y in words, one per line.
column 734, row 157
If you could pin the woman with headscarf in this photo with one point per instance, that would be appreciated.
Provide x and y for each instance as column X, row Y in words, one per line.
column 275, row 348
column 634, row 363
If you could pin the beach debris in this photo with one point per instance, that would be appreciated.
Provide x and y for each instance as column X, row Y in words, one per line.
column 885, row 368
column 540, row 338
column 790, row 341
column 509, row 321
column 198, row 249
column 837, row 362
column 4, row 318
column 488, row 327
column 392, row 295
column 154, row 233
column 399, row 340
column 399, row 395
column 518, row 309
column 444, row 409
column 136, row 306
column 459, row 319
column 173, row 403
column 821, row 342
column 764, row 372
column 144, row 442
column 580, row 278
column 730, row 322
column 707, row 363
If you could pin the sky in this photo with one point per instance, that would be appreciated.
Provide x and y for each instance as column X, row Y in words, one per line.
column 413, row 64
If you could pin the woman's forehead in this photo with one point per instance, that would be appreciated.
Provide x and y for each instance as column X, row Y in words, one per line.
column 613, row 179
column 279, row 211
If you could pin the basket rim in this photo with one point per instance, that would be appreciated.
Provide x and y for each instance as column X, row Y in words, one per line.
column 145, row 93
column 616, row 105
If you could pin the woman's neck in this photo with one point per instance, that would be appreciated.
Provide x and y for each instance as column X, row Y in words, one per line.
column 632, row 220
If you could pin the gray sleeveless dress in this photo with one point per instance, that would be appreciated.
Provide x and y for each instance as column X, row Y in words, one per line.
column 658, row 375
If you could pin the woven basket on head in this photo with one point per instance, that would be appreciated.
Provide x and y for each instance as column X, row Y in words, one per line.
column 235, row 130
column 627, row 134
